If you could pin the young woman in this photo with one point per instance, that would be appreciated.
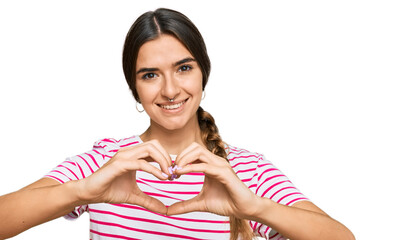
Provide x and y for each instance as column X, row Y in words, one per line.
column 178, row 179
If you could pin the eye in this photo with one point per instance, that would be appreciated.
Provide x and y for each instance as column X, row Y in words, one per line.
column 148, row 76
column 185, row 68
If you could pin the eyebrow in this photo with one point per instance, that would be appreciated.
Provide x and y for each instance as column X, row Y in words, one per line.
column 184, row 60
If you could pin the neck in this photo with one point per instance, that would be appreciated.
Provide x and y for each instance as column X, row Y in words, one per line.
column 174, row 141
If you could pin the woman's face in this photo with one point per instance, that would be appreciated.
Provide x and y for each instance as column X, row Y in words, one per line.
column 166, row 70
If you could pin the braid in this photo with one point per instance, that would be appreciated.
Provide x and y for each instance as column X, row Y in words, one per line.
column 213, row 141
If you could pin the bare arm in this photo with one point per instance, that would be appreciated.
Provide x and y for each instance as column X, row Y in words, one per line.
column 225, row 194
column 37, row 203
column 114, row 182
column 303, row 220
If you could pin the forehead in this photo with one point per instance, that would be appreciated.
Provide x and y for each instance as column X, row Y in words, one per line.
column 164, row 50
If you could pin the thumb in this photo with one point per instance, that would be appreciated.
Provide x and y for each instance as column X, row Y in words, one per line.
column 148, row 202
column 191, row 205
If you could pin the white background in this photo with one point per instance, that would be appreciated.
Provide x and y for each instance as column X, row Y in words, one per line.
column 325, row 89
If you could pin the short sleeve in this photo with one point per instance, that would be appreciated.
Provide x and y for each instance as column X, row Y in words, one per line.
column 272, row 183
column 83, row 165
column 265, row 180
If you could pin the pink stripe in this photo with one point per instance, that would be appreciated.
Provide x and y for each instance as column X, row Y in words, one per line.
column 57, row 171
column 54, row 178
column 260, row 234
column 268, row 170
column 158, row 222
column 69, row 170
column 297, row 199
column 244, row 163
column 249, row 179
column 256, row 223
column 92, row 171
column 103, row 155
column 238, row 150
column 272, row 186
column 70, row 162
column 80, row 169
column 130, row 137
column 246, row 170
column 281, row 190
column 172, row 192
column 248, row 156
column 266, row 231
column 170, row 217
column 253, row 185
column 93, row 159
column 295, row 193
column 129, row 144
column 266, row 180
column 110, row 140
column 266, row 164
column 162, row 195
column 170, row 182
column 112, row 235
column 143, row 231
column 273, row 235
column 79, row 211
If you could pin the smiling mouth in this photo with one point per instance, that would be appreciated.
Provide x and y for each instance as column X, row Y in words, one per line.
column 172, row 106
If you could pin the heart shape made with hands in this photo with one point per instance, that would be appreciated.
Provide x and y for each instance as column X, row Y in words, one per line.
column 222, row 192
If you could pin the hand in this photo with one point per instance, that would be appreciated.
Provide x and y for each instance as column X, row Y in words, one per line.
column 222, row 193
column 115, row 182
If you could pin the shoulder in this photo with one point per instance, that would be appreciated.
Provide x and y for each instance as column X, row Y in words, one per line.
column 236, row 154
column 112, row 145
column 102, row 150
column 245, row 161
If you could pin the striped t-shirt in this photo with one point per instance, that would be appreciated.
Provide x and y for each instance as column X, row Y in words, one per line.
column 125, row 221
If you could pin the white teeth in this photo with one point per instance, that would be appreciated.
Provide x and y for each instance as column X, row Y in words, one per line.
column 174, row 106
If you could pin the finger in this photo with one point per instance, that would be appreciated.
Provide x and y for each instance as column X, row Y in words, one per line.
column 193, row 155
column 150, row 150
column 145, row 166
column 198, row 167
column 187, row 206
column 162, row 151
column 148, row 202
column 188, row 149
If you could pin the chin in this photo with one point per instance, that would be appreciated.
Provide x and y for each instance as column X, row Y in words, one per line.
column 171, row 124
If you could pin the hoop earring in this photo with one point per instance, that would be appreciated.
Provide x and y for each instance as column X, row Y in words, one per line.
column 203, row 94
column 136, row 107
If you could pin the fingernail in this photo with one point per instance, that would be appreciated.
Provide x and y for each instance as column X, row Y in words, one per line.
column 174, row 176
column 170, row 170
column 164, row 175
column 179, row 168
column 175, row 167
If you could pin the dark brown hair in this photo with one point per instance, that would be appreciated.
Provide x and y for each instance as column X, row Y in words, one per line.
column 150, row 26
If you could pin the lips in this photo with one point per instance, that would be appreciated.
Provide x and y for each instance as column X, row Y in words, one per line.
column 173, row 105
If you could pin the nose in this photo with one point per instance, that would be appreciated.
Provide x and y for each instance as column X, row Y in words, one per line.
column 171, row 88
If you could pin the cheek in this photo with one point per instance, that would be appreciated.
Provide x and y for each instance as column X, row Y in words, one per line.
column 194, row 84
column 145, row 93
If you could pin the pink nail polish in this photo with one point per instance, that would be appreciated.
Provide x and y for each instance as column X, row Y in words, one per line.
column 170, row 170
column 164, row 175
